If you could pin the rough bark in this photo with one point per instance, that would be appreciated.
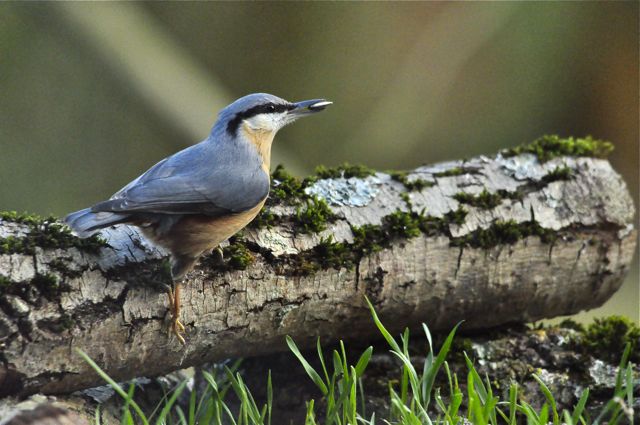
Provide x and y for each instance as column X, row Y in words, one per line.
column 110, row 305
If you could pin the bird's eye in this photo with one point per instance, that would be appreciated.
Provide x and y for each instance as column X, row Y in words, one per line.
column 271, row 108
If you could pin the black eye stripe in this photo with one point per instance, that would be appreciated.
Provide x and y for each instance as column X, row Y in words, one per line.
column 265, row 108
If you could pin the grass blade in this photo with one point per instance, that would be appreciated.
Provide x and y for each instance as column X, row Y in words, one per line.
column 192, row 407
column 385, row 333
column 169, row 403
column 307, row 367
column 577, row 411
column 269, row 397
column 513, row 402
column 321, row 357
column 363, row 361
column 550, row 399
column 431, row 373
column 117, row 388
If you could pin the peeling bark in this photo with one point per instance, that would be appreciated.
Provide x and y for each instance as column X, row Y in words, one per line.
column 110, row 303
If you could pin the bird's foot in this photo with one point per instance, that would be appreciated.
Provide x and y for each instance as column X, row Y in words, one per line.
column 176, row 327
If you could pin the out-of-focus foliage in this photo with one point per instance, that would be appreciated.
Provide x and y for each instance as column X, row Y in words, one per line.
column 94, row 93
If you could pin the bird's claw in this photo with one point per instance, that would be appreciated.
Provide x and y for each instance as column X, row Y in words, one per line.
column 178, row 329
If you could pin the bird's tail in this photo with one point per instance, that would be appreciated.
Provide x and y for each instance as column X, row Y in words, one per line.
column 85, row 223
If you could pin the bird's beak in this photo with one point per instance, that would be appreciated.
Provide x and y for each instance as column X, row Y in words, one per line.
column 309, row 106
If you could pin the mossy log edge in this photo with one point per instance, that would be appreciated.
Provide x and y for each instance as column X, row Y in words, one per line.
column 436, row 260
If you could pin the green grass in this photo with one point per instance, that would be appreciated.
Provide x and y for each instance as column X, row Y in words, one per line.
column 414, row 398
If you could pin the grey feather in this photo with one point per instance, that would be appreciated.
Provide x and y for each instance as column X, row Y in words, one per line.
column 214, row 177
column 84, row 223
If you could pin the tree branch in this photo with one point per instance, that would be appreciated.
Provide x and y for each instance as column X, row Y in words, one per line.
column 488, row 240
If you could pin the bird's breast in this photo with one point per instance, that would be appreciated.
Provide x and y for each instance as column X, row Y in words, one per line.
column 194, row 234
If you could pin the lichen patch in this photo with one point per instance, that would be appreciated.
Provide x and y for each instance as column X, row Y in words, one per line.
column 351, row 192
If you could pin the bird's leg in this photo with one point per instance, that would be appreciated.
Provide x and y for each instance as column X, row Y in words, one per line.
column 177, row 328
column 180, row 265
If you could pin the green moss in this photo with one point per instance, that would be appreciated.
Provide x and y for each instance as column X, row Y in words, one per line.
column 23, row 218
column 326, row 254
column 237, row 255
column 484, row 199
column 44, row 233
column 285, row 186
column 456, row 217
column 516, row 195
column 314, row 216
column 558, row 173
column 368, row 239
column 456, row 171
column 264, row 219
column 402, row 224
column 47, row 284
column 333, row 254
column 606, row 338
column 504, row 232
column 552, row 146
column 13, row 245
column 345, row 170
column 571, row 324
column 5, row 282
column 411, row 185
column 406, row 198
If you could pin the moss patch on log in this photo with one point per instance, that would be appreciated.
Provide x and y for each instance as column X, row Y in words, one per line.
column 558, row 173
column 606, row 338
column 333, row 254
column 456, row 171
column 484, row 199
column 416, row 184
column 285, row 187
column 552, row 146
column 504, row 232
column 345, row 170
column 237, row 256
column 314, row 216
column 44, row 233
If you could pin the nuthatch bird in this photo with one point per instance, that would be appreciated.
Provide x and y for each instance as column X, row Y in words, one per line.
column 191, row 201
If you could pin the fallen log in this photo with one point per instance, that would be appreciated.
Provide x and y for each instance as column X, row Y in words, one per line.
column 528, row 234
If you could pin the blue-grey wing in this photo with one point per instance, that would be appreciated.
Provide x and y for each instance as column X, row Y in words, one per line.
column 194, row 181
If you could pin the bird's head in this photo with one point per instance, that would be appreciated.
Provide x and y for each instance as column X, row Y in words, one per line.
column 265, row 113
column 256, row 119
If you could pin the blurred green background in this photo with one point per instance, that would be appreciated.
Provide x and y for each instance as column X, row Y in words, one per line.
column 92, row 94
